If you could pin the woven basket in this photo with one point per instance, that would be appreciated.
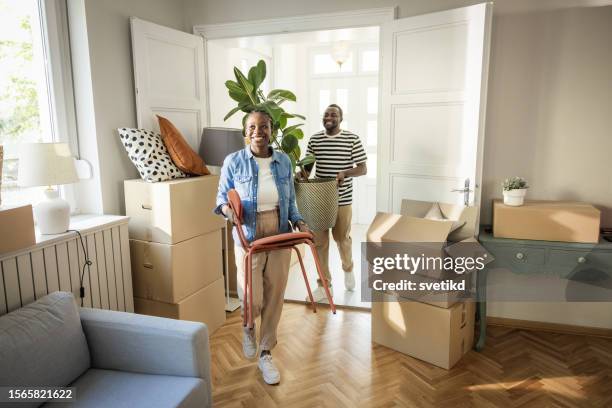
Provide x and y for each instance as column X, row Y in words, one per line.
column 317, row 201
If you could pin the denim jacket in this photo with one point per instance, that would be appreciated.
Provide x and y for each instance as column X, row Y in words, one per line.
column 240, row 172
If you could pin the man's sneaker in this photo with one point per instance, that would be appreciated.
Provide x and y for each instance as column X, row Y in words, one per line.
column 270, row 373
column 349, row 280
column 249, row 344
column 319, row 294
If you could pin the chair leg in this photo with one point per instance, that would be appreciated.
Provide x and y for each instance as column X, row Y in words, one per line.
column 250, row 261
column 316, row 259
column 314, row 307
column 245, row 303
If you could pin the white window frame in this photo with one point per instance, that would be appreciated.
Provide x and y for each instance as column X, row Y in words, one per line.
column 54, row 17
column 58, row 68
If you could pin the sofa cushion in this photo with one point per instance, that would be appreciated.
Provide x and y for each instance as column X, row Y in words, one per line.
column 148, row 153
column 43, row 343
column 181, row 153
column 109, row 388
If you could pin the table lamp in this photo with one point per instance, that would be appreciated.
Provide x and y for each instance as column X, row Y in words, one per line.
column 48, row 164
column 217, row 143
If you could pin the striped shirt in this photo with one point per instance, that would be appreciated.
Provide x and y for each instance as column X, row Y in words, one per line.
column 334, row 154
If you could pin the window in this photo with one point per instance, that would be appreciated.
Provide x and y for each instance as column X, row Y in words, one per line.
column 33, row 85
column 369, row 61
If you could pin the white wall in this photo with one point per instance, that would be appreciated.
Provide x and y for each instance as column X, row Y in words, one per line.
column 549, row 108
column 107, row 28
column 549, row 119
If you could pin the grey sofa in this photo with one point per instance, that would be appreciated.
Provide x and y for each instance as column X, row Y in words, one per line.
column 113, row 359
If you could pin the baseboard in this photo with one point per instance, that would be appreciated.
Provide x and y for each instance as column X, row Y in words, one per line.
column 549, row 327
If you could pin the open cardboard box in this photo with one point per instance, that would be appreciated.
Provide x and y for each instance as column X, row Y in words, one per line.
column 431, row 238
column 439, row 332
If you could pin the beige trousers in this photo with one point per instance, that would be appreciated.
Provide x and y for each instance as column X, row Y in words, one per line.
column 342, row 235
column 269, row 271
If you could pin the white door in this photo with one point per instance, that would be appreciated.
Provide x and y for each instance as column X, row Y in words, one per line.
column 433, row 94
column 169, row 78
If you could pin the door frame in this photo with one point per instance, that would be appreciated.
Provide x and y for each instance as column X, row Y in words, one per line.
column 310, row 22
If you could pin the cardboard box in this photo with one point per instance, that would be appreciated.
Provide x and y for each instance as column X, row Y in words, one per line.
column 172, row 211
column 16, row 228
column 206, row 305
column 170, row 273
column 428, row 237
column 547, row 221
column 468, row 216
column 433, row 334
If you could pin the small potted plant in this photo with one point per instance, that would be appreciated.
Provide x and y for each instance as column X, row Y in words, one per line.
column 514, row 192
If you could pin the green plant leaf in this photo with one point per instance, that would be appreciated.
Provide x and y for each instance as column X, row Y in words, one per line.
column 233, row 86
column 257, row 74
column 293, row 163
column 290, row 129
column 289, row 143
column 281, row 95
column 273, row 110
column 240, row 96
column 295, row 115
column 282, row 121
column 309, row 159
column 230, row 113
column 246, row 86
column 299, row 133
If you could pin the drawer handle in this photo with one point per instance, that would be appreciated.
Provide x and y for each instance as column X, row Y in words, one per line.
column 520, row 255
column 581, row 260
column 148, row 265
column 147, row 206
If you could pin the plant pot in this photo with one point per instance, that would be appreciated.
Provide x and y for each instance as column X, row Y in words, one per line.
column 515, row 198
column 317, row 201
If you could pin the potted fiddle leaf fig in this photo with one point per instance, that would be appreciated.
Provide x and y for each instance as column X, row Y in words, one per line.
column 317, row 199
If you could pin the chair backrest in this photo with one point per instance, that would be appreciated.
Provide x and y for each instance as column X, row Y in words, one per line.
column 235, row 203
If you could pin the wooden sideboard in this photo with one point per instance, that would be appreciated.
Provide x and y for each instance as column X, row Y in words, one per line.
column 526, row 257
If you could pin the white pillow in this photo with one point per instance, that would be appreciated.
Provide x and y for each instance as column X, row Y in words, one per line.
column 435, row 213
column 149, row 154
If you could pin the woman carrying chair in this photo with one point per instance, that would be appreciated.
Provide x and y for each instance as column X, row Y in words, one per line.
column 263, row 179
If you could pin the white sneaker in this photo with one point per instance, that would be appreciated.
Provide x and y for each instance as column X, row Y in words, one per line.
column 349, row 281
column 319, row 295
column 270, row 373
column 249, row 344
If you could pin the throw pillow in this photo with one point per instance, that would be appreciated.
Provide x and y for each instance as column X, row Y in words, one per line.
column 149, row 155
column 181, row 153
column 435, row 213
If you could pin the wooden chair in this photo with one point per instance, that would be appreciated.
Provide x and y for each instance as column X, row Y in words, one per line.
column 288, row 240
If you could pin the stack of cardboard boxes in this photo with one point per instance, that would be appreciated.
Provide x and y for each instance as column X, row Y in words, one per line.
column 176, row 249
column 441, row 331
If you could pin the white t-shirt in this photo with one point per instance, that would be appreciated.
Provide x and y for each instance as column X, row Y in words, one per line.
column 267, row 193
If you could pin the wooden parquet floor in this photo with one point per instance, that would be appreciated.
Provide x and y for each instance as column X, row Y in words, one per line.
column 329, row 361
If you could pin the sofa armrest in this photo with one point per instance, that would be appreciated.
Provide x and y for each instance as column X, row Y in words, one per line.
column 146, row 344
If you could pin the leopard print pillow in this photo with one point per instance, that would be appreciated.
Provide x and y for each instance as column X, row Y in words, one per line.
column 148, row 153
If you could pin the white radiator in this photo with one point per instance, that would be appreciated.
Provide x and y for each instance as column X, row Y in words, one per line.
column 56, row 261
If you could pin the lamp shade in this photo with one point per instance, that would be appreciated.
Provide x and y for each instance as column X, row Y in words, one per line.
column 218, row 142
column 46, row 164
